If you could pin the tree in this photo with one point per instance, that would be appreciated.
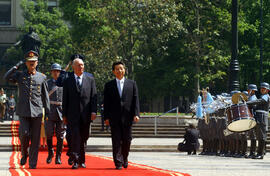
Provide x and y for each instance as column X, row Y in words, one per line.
column 135, row 31
column 52, row 30
column 198, row 58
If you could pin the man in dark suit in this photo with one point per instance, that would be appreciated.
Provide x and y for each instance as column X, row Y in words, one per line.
column 60, row 83
column 121, row 109
column 79, row 109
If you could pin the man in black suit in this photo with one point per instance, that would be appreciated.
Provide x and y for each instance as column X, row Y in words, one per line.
column 60, row 83
column 121, row 109
column 79, row 109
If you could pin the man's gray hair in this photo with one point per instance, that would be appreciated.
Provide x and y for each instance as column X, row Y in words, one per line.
column 76, row 60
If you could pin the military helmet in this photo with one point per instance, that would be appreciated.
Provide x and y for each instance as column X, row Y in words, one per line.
column 252, row 87
column 56, row 66
column 265, row 85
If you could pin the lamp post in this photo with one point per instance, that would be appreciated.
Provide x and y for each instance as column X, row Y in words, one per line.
column 234, row 65
column 261, row 41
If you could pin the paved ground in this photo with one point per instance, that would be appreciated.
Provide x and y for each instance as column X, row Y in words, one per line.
column 4, row 163
column 202, row 165
column 194, row 165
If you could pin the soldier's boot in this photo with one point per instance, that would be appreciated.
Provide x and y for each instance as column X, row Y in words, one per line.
column 59, row 151
column 238, row 151
column 204, row 148
column 226, row 147
column 216, row 147
column 233, row 148
column 252, row 149
column 244, row 149
column 212, row 147
column 24, row 146
column 260, row 152
column 50, row 151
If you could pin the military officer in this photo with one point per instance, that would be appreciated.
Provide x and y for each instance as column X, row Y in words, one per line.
column 261, row 117
column 33, row 97
column 252, row 88
column 54, row 121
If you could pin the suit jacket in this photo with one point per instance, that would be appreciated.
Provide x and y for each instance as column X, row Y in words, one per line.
column 121, row 109
column 64, row 75
column 79, row 104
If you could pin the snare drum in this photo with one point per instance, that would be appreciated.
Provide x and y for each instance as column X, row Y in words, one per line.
column 240, row 118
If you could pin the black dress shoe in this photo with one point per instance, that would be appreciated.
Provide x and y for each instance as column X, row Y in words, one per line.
column 250, row 156
column 75, row 166
column 50, row 156
column 23, row 160
column 32, row 167
column 58, row 160
column 70, row 161
column 258, row 157
column 82, row 165
column 125, row 165
column 202, row 153
column 118, row 167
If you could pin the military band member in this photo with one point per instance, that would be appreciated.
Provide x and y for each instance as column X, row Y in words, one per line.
column 33, row 97
column 54, row 121
column 252, row 88
column 261, row 117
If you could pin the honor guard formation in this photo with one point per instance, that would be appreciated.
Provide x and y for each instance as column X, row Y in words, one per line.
column 228, row 122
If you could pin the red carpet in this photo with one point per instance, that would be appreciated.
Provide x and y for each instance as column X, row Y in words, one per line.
column 95, row 166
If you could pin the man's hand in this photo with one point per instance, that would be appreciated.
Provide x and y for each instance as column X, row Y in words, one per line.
column 136, row 119
column 93, row 116
column 65, row 120
column 68, row 65
column 107, row 122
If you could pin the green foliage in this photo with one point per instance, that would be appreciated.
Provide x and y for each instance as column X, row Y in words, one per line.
column 135, row 31
column 172, row 47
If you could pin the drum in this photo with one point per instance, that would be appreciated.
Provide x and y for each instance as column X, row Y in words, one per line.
column 240, row 118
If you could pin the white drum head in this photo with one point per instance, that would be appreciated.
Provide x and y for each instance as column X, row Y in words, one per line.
column 242, row 125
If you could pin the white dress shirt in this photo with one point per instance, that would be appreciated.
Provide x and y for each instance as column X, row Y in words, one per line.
column 120, row 85
column 80, row 80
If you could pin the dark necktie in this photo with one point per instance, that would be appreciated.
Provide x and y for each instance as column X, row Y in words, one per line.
column 78, row 82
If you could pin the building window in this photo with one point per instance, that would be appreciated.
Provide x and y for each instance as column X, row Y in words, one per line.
column 5, row 12
column 51, row 5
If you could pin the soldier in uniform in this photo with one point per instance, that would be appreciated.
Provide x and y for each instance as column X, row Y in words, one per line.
column 33, row 97
column 242, row 150
column 54, row 121
column 221, row 126
column 252, row 88
column 261, row 117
